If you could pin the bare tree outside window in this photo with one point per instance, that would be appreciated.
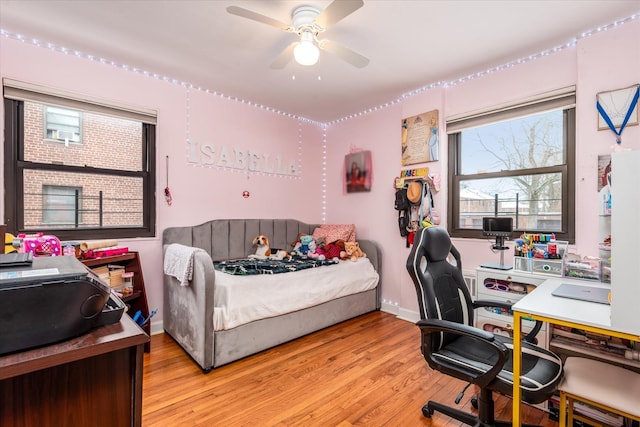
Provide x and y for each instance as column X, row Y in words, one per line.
column 516, row 168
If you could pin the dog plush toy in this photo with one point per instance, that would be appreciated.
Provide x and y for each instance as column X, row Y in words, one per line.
column 353, row 251
column 264, row 251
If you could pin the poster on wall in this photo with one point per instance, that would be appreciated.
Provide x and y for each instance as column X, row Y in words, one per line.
column 358, row 171
column 604, row 184
column 420, row 138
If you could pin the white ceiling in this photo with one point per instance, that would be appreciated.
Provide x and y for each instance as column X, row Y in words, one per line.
column 410, row 44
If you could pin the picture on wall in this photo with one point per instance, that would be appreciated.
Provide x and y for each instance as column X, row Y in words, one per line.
column 358, row 171
column 604, row 184
column 420, row 138
column 618, row 105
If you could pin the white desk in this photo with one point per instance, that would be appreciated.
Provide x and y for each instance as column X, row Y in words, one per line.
column 541, row 305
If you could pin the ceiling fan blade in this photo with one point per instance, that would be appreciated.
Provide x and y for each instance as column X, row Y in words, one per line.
column 337, row 11
column 285, row 56
column 344, row 53
column 245, row 13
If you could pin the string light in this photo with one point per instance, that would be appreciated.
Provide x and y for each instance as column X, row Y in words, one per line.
column 458, row 81
column 301, row 120
column 188, row 121
column 300, row 145
column 324, row 174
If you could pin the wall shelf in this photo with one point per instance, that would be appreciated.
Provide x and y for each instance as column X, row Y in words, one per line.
column 137, row 300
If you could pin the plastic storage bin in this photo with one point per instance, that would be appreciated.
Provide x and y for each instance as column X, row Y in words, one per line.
column 605, row 271
column 583, row 269
column 522, row 264
column 547, row 266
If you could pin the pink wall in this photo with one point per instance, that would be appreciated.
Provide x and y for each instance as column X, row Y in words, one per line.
column 606, row 61
column 200, row 192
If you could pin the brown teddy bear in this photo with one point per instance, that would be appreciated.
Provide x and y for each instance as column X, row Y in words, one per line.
column 353, row 251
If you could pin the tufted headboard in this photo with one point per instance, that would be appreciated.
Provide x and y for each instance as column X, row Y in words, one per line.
column 232, row 238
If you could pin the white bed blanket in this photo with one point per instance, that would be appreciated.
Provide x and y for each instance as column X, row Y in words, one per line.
column 243, row 299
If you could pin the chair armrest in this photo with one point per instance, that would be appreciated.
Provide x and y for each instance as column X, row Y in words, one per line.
column 507, row 306
column 437, row 325
column 429, row 327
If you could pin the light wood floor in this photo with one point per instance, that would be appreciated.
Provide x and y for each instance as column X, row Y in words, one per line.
column 364, row 372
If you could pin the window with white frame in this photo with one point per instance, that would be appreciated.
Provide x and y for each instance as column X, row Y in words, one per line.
column 103, row 187
column 516, row 161
column 62, row 124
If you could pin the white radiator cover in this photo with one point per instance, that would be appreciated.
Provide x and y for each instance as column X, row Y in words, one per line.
column 470, row 279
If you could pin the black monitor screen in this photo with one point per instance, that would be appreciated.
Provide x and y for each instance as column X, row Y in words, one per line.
column 494, row 226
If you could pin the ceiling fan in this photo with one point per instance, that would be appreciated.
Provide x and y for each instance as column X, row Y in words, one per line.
column 308, row 22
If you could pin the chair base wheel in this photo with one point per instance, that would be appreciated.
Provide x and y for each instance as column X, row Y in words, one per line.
column 426, row 411
column 474, row 402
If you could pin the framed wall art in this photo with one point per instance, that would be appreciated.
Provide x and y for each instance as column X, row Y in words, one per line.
column 617, row 104
column 420, row 138
column 358, row 169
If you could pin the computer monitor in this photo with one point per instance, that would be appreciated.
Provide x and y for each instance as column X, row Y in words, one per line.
column 497, row 226
column 501, row 228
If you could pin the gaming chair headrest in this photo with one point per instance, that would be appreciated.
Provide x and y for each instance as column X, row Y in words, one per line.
column 436, row 243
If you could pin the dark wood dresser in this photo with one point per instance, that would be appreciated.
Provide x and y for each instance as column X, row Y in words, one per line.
column 92, row 380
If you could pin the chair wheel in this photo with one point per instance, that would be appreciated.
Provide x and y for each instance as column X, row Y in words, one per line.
column 474, row 402
column 426, row 411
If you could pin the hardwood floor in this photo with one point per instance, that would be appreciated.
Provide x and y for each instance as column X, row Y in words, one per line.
column 364, row 372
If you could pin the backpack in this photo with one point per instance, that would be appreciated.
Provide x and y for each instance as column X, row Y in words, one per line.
column 402, row 203
column 403, row 207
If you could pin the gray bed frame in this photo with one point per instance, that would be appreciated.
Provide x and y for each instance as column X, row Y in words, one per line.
column 188, row 310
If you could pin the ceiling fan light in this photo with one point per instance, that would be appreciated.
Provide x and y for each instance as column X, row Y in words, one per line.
column 306, row 53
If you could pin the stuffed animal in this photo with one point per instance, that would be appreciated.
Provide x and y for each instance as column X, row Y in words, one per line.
column 342, row 255
column 263, row 248
column 304, row 245
column 329, row 251
column 320, row 253
column 353, row 251
column 264, row 251
column 296, row 245
column 313, row 251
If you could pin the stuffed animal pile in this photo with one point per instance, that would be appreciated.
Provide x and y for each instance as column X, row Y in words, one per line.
column 307, row 247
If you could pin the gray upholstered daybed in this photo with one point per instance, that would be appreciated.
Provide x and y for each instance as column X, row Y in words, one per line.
column 189, row 310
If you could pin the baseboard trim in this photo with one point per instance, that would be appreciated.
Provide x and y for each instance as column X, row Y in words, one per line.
column 400, row 313
column 157, row 327
column 408, row 315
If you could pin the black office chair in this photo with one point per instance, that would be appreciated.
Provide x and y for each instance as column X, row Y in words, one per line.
column 453, row 346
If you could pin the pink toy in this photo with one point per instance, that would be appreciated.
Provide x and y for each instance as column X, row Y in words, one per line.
column 41, row 245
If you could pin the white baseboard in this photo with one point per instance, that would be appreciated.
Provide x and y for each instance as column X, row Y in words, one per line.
column 389, row 308
column 157, row 327
column 400, row 313
column 408, row 315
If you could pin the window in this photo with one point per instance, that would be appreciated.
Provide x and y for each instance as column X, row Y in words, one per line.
column 62, row 124
column 60, row 207
column 515, row 162
column 101, row 188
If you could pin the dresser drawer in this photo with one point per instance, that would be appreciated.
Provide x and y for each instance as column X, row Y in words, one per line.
column 504, row 286
column 505, row 328
column 499, row 315
column 498, row 290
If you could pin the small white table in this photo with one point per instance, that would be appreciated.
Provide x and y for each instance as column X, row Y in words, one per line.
column 541, row 305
